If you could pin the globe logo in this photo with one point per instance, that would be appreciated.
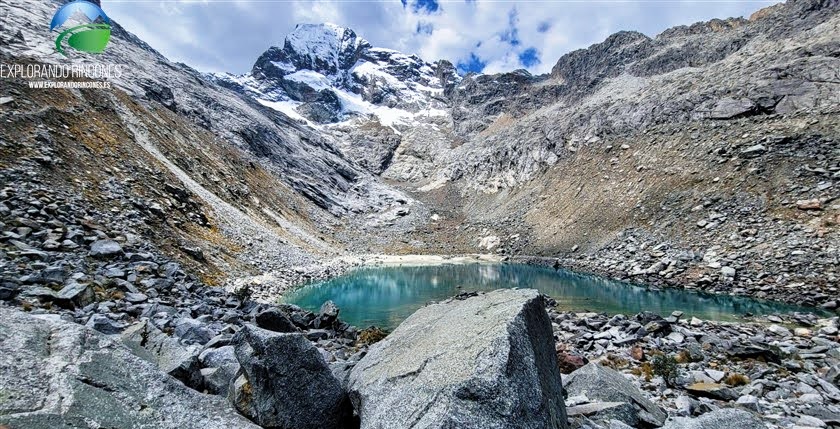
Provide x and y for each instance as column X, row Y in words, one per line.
column 91, row 38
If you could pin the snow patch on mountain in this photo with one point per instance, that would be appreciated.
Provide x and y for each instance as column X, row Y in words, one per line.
column 313, row 79
column 355, row 105
column 288, row 107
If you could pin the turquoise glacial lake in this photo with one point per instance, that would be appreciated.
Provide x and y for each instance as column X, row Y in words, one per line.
column 385, row 296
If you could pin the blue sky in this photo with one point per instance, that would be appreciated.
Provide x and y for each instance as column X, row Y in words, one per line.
column 477, row 35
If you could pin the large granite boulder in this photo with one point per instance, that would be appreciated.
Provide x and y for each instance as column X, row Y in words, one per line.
column 720, row 419
column 285, row 383
column 598, row 382
column 59, row 374
column 220, row 367
column 150, row 343
column 486, row 361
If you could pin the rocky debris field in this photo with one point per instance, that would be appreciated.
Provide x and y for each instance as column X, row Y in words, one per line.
column 80, row 273
column 703, row 158
column 640, row 369
column 214, row 355
column 763, row 225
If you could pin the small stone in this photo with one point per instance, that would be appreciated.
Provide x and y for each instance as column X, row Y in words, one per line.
column 105, row 325
column 718, row 419
column 713, row 391
column 568, row 362
column 749, row 402
column 605, row 384
column 695, row 322
column 105, row 249
column 136, row 298
column 754, row 150
column 802, row 332
column 828, row 330
column 779, row 330
column 327, row 316
column 676, row 337
column 76, row 294
column 715, row 375
column 275, row 320
column 192, row 331
column 811, row 398
column 812, row 204
column 809, row 421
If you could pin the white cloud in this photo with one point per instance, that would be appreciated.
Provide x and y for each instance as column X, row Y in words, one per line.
column 229, row 36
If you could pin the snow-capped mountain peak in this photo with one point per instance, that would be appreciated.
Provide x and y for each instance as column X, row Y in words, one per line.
column 324, row 47
column 325, row 73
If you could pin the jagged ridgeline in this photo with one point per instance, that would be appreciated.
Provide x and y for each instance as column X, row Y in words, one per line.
column 147, row 230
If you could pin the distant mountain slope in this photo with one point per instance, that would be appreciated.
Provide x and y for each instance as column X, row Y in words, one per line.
column 268, row 186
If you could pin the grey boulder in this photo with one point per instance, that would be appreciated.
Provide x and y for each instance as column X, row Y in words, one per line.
column 327, row 316
column 727, row 108
column 105, row 325
column 275, row 320
column 105, row 249
column 59, row 374
column 605, row 384
column 192, row 331
column 219, row 368
column 75, row 294
column 486, row 362
column 153, row 345
column 720, row 419
column 285, row 383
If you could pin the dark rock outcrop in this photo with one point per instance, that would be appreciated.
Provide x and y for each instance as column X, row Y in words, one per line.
column 284, row 382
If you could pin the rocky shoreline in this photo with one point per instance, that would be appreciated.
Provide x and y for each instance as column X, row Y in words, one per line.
column 610, row 268
column 785, row 373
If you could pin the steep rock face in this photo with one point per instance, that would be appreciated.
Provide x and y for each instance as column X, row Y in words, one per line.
column 630, row 82
column 324, row 48
column 586, row 67
column 482, row 362
column 59, row 374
